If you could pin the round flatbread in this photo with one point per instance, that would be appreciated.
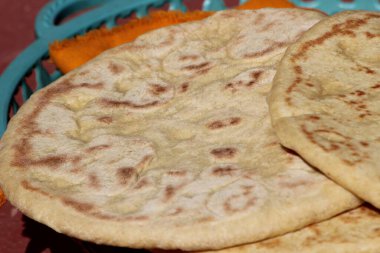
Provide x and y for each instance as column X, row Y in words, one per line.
column 356, row 231
column 325, row 100
column 166, row 142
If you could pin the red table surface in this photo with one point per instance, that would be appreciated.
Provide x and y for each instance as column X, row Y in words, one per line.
column 17, row 232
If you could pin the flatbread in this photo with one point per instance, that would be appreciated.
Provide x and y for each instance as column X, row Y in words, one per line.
column 325, row 100
column 356, row 231
column 166, row 142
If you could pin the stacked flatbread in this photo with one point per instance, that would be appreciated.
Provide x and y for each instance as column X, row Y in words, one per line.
column 166, row 142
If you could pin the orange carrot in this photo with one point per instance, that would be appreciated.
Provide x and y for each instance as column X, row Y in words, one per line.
column 2, row 198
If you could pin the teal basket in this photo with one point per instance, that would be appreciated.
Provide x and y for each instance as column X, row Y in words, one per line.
column 29, row 71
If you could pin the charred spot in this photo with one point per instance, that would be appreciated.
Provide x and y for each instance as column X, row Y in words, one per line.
column 51, row 161
column 364, row 144
column 270, row 49
column 293, row 85
column 177, row 173
column 84, row 72
column 344, row 28
column 269, row 244
column 157, row 89
column 141, row 184
column 98, row 85
column 77, row 205
column 224, row 171
column 376, row 86
column 298, row 69
column 224, row 152
column 235, row 120
column 26, row 185
column 314, row 117
column 184, row 87
column 188, row 57
column 105, row 119
column 126, row 103
column 125, row 174
column 309, row 84
column 371, row 35
column 359, row 93
column 231, row 209
column 115, row 68
column 138, row 218
column 94, row 181
column 216, row 124
column 197, row 66
column 97, row 148
column 293, row 184
column 169, row 192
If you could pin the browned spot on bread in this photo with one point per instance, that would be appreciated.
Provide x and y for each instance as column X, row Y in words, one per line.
column 371, row 35
column 83, row 72
column 294, row 184
column 94, row 180
column 293, row 85
column 177, row 173
column 314, row 117
column 76, row 170
column 268, row 26
column 376, row 86
column 144, row 162
column 77, row 205
column 224, row 171
column 125, row 174
column 105, row 119
column 309, row 84
column 157, row 89
column 141, row 184
column 235, row 120
column 169, row 192
column 359, row 93
column 188, row 57
column 224, row 152
column 138, row 218
column 345, row 28
column 223, row 123
column 76, row 159
column 28, row 129
column 216, row 124
column 51, row 161
column 184, row 87
column 126, row 103
column 228, row 206
column 364, row 144
column 115, row 68
column 97, row 148
column 247, row 189
column 269, row 244
column 298, row 69
column 197, row 66
column 273, row 47
column 26, row 185
column 91, row 85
